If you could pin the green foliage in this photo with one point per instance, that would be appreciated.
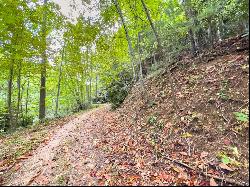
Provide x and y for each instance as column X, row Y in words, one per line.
column 118, row 90
column 152, row 120
column 241, row 116
column 26, row 120
column 4, row 117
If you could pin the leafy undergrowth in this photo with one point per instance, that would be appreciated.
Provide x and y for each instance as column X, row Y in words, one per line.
column 200, row 140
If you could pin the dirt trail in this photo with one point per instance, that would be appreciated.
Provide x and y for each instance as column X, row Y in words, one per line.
column 69, row 157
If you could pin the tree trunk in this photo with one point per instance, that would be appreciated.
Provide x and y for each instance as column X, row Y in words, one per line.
column 152, row 25
column 87, row 91
column 191, row 34
column 19, row 90
column 192, row 41
column 21, row 99
column 27, row 96
column 131, row 51
column 219, row 32
column 9, row 100
column 96, row 87
column 59, row 84
column 43, row 69
column 90, row 89
column 139, row 53
column 144, row 93
column 210, row 33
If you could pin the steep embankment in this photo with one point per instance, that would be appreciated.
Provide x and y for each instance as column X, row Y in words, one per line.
column 200, row 130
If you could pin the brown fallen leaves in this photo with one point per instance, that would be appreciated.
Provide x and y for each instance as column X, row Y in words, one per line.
column 226, row 167
column 212, row 182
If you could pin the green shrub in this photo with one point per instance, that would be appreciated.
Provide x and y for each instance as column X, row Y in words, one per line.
column 118, row 90
column 26, row 121
column 4, row 118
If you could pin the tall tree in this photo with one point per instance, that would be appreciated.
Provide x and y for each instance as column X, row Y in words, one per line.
column 59, row 82
column 131, row 51
column 152, row 24
column 42, row 104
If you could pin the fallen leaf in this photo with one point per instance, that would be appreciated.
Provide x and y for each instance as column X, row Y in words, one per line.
column 17, row 167
column 204, row 154
column 22, row 157
column 225, row 159
column 106, row 176
column 226, row 167
column 2, row 162
column 183, row 153
column 235, row 151
column 186, row 135
column 178, row 169
column 227, row 141
column 164, row 176
column 201, row 166
column 34, row 177
column 183, row 175
column 42, row 180
column 93, row 173
column 66, row 149
column 212, row 182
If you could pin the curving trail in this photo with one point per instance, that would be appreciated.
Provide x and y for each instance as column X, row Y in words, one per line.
column 71, row 155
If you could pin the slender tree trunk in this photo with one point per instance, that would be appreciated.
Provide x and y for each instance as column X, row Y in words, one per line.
column 192, row 41
column 144, row 93
column 21, row 99
column 27, row 96
column 90, row 90
column 96, row 87
column 139, row 53
column 210, row 33
column 219, row 32
column 191, row 34
column 59, row 84
column 131, row 51
column 83, row 88
column 42, row 104
column 151, row 24
column 87, row 91
column 19, row 90
column 9, row 100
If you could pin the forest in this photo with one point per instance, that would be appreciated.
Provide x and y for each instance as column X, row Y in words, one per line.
column 124, row 55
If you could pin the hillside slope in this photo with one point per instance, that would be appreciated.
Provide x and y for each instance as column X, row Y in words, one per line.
column 201, row 129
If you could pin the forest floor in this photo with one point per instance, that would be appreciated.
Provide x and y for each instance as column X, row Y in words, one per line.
column 150, row 139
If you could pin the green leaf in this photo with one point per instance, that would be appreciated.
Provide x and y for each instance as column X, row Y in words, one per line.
column 225, row 159
column 186, row 135
column 241, row 116
column 235, row 151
